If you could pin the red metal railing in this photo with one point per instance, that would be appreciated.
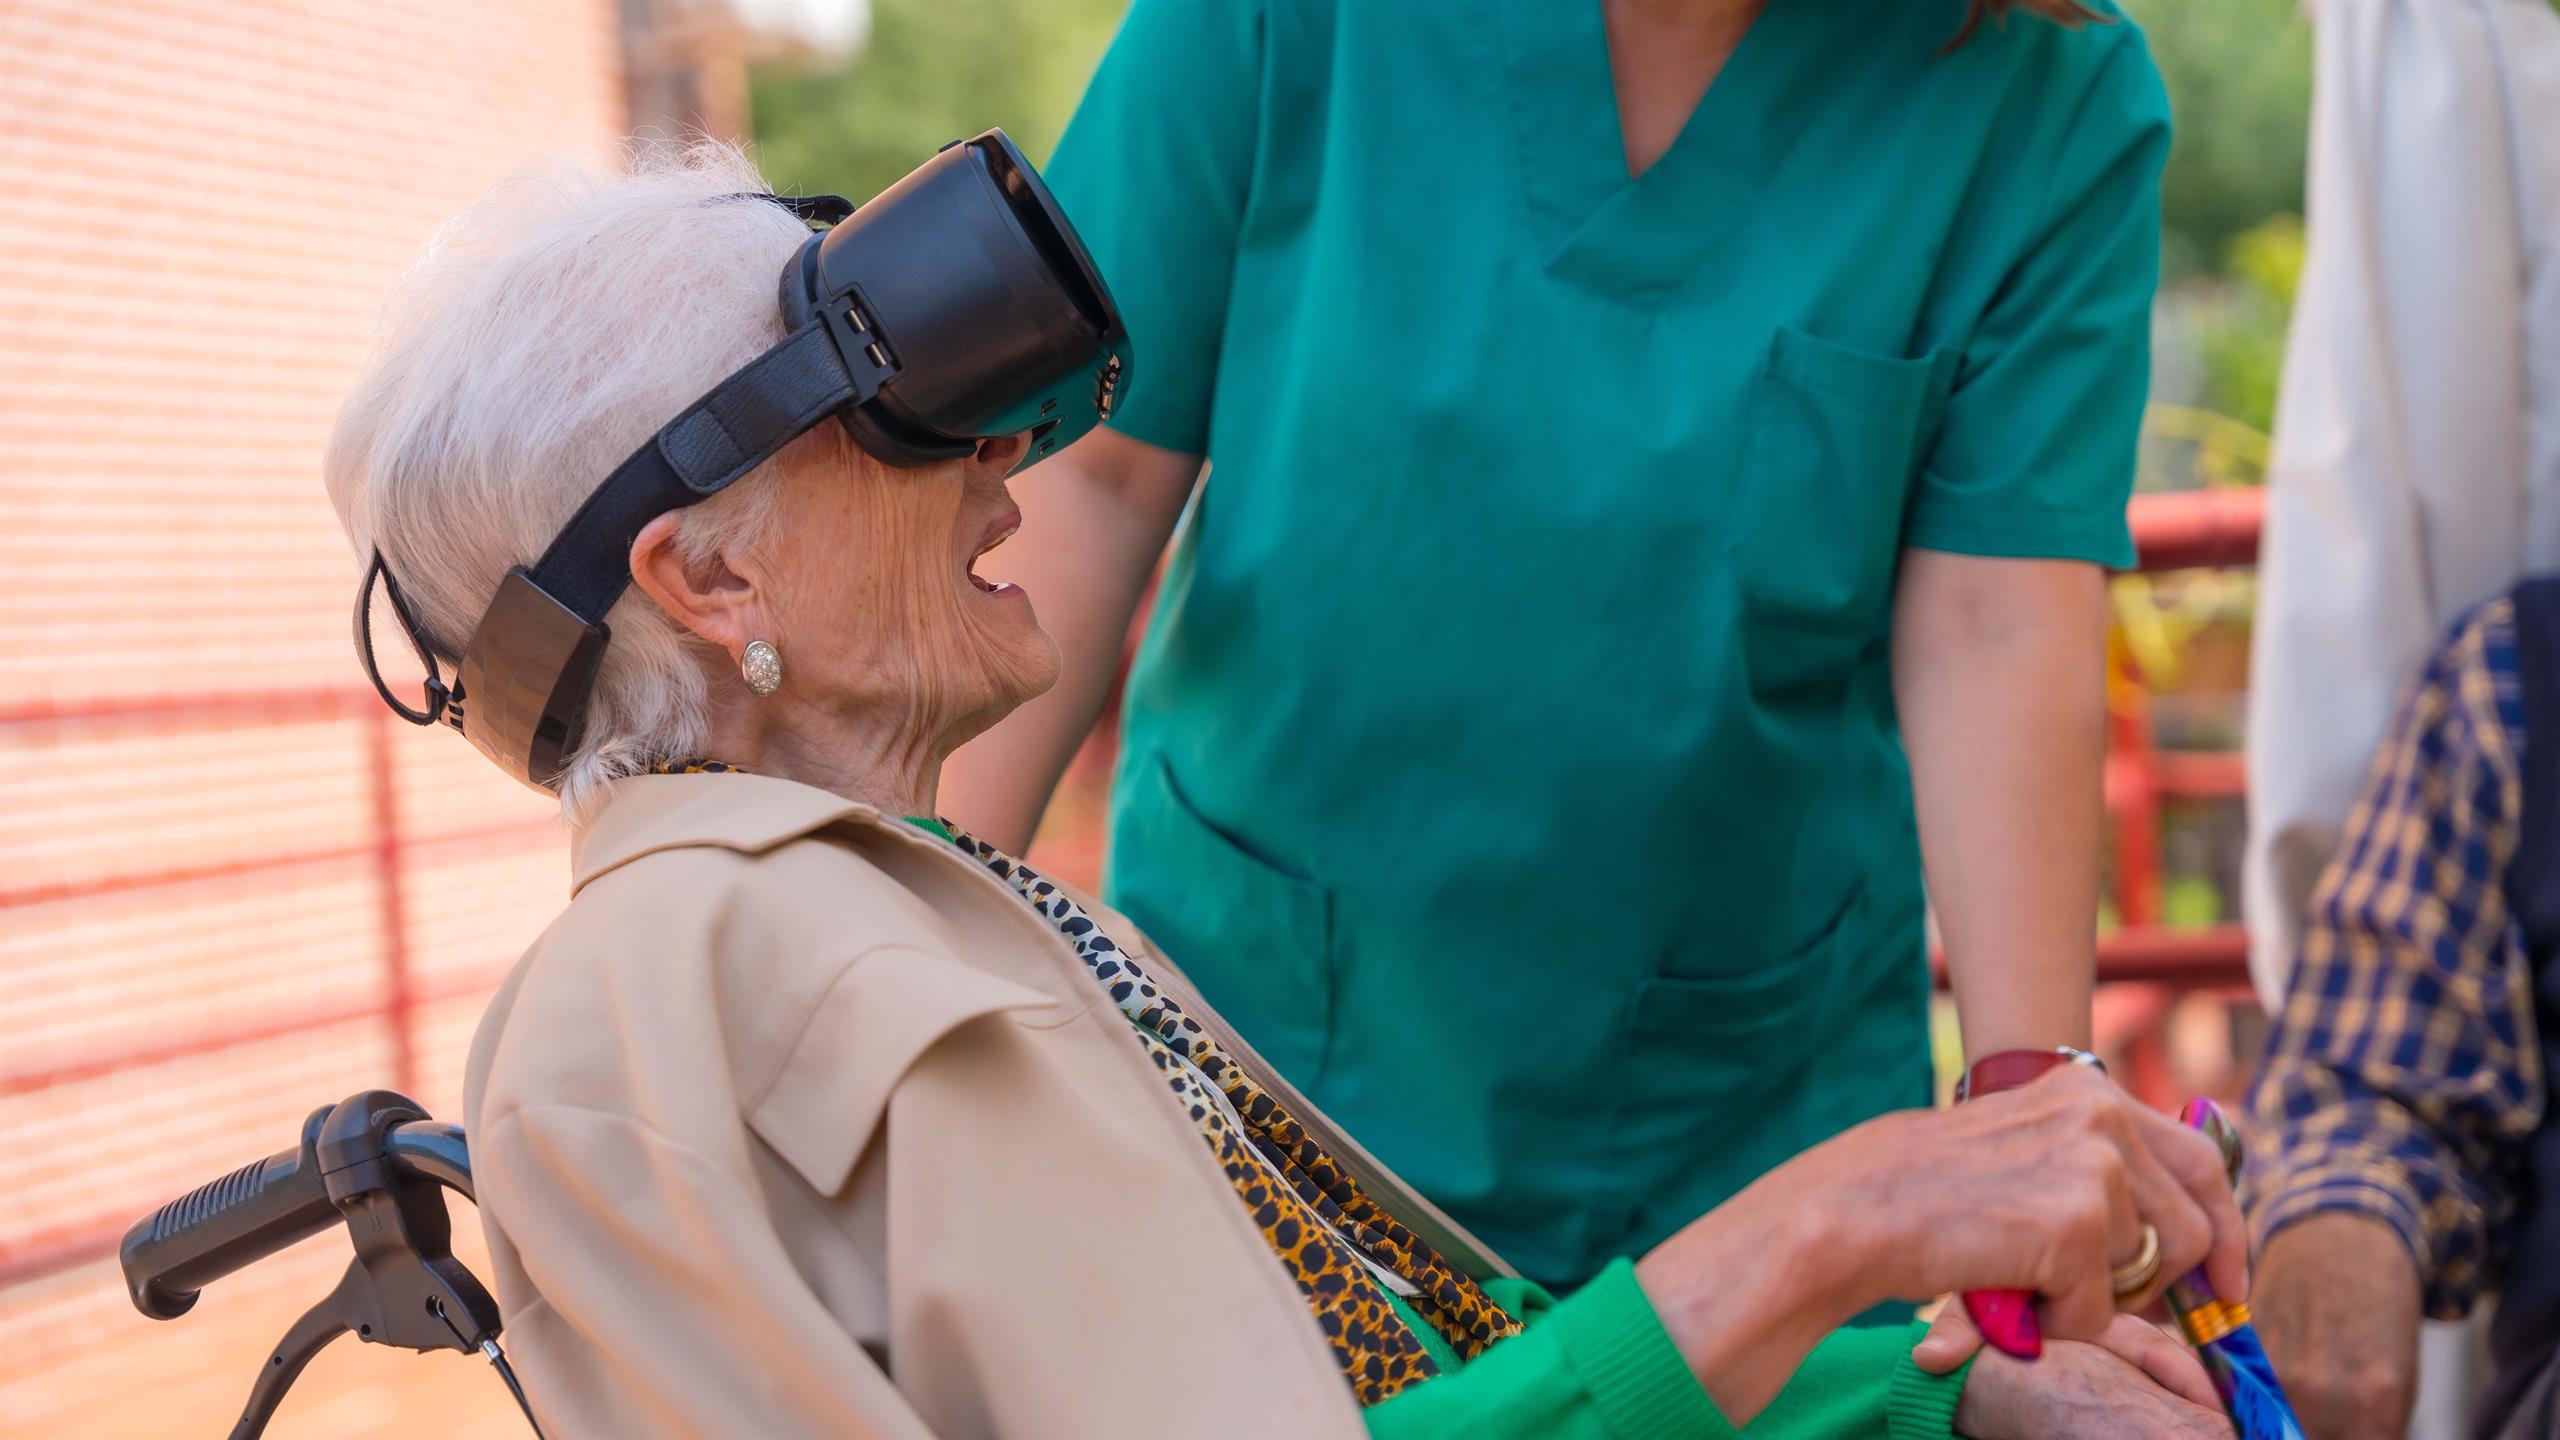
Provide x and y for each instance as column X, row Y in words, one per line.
column 2184, row 530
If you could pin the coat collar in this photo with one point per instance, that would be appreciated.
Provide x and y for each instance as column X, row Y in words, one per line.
column 735, row 811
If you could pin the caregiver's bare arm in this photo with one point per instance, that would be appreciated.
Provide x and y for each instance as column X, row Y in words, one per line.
column 1999, row 672
column 1094, row 521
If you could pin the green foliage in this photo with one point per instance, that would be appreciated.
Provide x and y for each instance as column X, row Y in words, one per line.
column 933, row 71
column 2241, row 331
column 2190, row 902
column 2238, row 74
column 2268, row 257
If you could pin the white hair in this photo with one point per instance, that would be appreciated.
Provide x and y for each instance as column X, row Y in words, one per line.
column 545, row 333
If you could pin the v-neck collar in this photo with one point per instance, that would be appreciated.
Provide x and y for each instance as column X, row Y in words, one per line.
column 1636, row 238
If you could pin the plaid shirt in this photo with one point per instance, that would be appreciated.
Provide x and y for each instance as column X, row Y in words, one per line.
column 2403, row 1078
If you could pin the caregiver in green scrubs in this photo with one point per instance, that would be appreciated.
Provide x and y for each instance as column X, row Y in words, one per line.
column 1651, row 447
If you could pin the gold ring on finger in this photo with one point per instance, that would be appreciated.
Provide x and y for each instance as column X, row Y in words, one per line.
column 2135, row 1277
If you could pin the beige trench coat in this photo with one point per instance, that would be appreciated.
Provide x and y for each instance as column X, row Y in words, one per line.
column 799, row 1122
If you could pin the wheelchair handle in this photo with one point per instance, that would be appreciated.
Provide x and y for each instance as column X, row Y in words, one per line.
column 227, row 1224
column 433, row 1150
column 373, row 1163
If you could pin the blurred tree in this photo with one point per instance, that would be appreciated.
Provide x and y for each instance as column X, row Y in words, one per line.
column 2239, row 79
column 932, row 71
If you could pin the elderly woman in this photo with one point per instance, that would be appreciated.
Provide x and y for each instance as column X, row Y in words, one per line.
column 809, row 1116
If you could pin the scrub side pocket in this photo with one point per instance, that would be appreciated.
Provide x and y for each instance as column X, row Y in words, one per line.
column 1256, row 939
column 1726, row 1079
column 1835, row 438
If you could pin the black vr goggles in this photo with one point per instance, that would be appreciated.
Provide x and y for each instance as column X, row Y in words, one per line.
column 957, row 306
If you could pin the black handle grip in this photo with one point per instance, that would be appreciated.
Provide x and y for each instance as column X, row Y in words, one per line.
column 240, row 1219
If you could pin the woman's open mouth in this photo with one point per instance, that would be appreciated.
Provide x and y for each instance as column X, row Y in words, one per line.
column 998, row 532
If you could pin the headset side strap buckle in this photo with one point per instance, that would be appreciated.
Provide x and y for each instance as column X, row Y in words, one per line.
column 867, row 359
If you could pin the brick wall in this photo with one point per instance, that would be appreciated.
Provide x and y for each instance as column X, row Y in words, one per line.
column 229, row 889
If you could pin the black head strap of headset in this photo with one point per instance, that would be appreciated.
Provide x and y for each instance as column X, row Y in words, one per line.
column 834, row 360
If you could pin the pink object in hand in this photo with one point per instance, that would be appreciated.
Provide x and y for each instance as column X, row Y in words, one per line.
column 2007, row 1318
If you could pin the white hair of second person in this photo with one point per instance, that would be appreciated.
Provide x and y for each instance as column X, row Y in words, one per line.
column 542, row 337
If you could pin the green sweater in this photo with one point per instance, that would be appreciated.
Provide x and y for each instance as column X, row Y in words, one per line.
column 1598, row 1366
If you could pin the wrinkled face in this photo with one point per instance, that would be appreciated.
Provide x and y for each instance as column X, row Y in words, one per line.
column 871, row 585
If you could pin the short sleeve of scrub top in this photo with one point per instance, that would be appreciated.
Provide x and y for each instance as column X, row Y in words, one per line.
column 2038, row 438
column 1171, row 193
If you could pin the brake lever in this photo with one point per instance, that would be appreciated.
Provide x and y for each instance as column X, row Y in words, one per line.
column 404, row 1287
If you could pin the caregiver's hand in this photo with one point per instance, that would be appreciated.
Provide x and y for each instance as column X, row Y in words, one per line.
column 2043, row 1188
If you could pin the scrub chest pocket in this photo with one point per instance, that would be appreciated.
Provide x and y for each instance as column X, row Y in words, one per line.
column 1835, row 438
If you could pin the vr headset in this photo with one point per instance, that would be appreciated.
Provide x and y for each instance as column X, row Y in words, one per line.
column 958, row 306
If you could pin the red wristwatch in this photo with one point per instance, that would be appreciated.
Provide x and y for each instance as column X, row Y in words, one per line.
column 2009, row 1069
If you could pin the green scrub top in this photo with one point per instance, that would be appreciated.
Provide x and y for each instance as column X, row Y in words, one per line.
column 1513, row 757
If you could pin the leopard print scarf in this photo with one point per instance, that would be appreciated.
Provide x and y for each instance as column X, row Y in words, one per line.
column 1341, row 1249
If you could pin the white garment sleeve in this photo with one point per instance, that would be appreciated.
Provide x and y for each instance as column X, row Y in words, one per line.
column 2406, row 484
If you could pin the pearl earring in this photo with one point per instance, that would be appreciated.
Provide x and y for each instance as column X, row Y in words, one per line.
column 762, row 665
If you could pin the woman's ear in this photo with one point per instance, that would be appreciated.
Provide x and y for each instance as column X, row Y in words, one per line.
column 707, row 597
